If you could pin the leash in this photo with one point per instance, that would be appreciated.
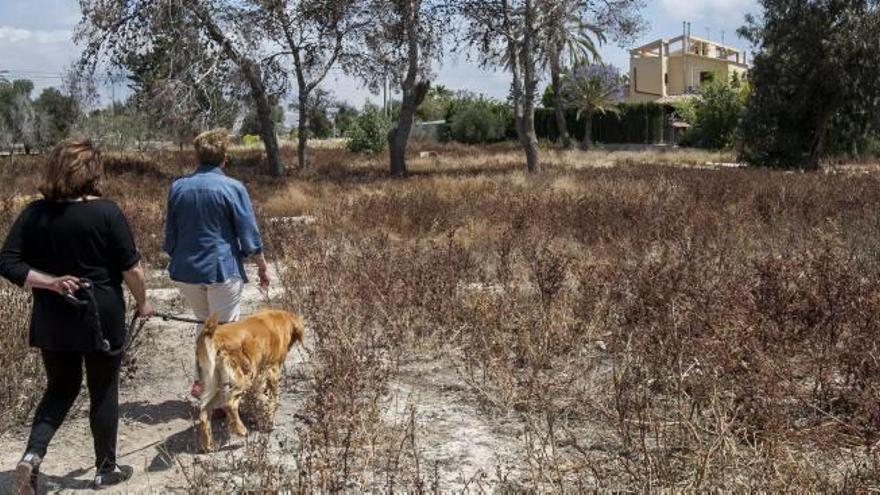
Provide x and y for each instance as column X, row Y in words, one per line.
column 134, row 330
column 170, row 317
column 89, row 305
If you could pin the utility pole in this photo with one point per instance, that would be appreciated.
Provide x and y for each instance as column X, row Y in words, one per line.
column 385, row 96
column 685, row 52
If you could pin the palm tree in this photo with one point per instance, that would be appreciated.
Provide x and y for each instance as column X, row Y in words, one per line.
column 591, row 89
column 567, row 33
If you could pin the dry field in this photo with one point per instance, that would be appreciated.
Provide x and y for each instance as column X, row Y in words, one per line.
column 621, row 321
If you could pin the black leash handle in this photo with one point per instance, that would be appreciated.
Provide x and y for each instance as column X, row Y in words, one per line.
column 101, row 342
column 84, row 283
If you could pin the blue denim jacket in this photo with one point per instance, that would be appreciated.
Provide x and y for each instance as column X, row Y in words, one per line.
column 210, row 228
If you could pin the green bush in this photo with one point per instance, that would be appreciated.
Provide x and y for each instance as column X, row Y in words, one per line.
column 479, row 121
column 716, row 115
column 251, row 140
column 872, row 147
column 369, row 131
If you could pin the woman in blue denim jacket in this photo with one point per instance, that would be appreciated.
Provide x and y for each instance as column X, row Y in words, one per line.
column 210, row 229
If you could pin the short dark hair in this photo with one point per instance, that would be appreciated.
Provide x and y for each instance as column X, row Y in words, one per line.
column 74, row 170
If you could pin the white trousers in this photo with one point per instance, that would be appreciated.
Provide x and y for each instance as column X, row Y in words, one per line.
column 222, row 300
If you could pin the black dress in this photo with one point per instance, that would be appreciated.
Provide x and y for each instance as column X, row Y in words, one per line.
column 88, row 239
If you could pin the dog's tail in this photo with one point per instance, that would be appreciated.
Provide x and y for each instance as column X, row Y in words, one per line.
column 211, row 325
column 297, row 329
column 206, row 355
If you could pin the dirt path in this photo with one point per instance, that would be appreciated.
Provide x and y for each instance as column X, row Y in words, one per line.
column 157, row 434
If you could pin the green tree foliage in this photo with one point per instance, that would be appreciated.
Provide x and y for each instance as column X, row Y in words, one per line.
column 188, row 49
column 716, row 114
column 317, row 105
column 320, row 124
column 251, row 122
column 547, row 97
column 183, row 83
column 60, row 113
column 345, row 117
column 815, row 72
column 119, row 126
column 34, row 124
column 479, row 120
column 436, row 105
column 591, row 89
column 369, row 132
column 17, row 112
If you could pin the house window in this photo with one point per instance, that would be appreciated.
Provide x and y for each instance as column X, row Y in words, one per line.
column 706, row 77
column 635, row 79
column 666, row 78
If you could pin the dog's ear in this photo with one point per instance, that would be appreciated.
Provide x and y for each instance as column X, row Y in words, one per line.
column 211, row 325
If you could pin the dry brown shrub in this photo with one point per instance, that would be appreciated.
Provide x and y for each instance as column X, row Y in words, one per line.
column 648, row 328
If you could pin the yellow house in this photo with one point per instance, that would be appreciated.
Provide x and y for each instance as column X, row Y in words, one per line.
column 678, row 66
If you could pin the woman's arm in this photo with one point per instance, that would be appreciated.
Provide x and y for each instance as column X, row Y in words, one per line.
column 170, row 242
column 127, row 259
column 16, row 269
column 262, row 270
column 13, row 266
column 65, row 284
column 248, row 231
column 137, row 284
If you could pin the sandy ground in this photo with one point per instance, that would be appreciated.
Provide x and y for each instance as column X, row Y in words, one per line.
column 157, row 434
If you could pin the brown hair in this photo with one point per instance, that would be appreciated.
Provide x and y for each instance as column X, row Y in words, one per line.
column 73, row 171
column 211, row 146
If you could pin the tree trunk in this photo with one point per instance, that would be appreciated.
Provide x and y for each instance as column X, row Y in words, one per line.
column 267, row 131
column 558, row 104
column 530, row 143
column 399, row 136
column 397, row 139
column 303, row 131
column 587, row 143
column 264, row 115
column 528, row 138
column 817, row 147
column 414, row 91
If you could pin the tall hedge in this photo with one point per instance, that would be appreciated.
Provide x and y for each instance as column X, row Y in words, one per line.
column 644, row 123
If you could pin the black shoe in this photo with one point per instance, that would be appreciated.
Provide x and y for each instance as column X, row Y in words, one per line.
column 119, row 475
column 26, row 473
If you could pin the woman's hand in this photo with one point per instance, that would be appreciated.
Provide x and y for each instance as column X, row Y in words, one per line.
column 65, row 284
column 145, row 310
column 137, row 282
column 263, row 272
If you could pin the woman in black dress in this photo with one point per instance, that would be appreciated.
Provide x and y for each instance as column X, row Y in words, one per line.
column 54, row 246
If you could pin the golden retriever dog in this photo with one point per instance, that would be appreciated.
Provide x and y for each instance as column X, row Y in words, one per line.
column 241, row 357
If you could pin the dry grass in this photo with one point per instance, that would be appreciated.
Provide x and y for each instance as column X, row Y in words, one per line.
column 646, row 327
